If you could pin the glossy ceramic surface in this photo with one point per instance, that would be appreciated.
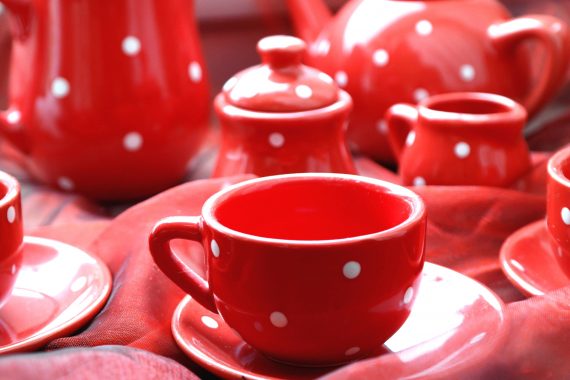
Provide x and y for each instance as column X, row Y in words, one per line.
column 528, row 259
column 282, row 117
column 11, row 233
column 446, row 316
column 363, row 239
column 459, row 139
column 558, row 205
column 108, row 99
column 58, row 289
column 385, row 52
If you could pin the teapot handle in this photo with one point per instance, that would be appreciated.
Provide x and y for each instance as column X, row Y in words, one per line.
column 400, row 119
column 552, row 33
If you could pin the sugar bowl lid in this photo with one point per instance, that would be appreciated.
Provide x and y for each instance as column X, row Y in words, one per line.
column 281, row 83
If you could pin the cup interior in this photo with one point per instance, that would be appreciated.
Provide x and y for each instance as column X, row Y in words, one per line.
column 313, row 209
column 3, row 189
column 472, row 106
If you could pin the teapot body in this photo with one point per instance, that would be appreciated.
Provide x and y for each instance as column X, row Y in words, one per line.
column 112, row 95
column 384, row 52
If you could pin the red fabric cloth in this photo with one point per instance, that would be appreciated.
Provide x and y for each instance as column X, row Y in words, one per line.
column 467, row 226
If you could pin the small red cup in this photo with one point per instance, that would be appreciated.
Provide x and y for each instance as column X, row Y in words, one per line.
column 11, row 234
column 558, row 206
column 310, row 269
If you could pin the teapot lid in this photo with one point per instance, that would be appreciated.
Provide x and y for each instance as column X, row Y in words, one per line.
column 281, row 83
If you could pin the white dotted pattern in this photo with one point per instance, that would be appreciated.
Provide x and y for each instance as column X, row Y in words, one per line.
column 65, row 183
column 565, row 214
column 195, row 72
column 209, row 322
column 467, row 73
column 278, row 319
column 132, row 141
column 382, row 127
column 215, row 248
column 14, row 117
column 352, row 351
column 276, row 140
column 424, row 28
column 462, row 150
column 11, row 214
column 60, row 87
column 421, row 94
column 419, row 181
column 411, row 138
column 341, row 78
column 351, row 270
column 131, row 46
column 381, row 57
column 303, row 91
column 408, row 295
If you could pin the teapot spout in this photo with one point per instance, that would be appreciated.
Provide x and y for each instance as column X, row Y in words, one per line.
column 309, row 17
column 20, row 15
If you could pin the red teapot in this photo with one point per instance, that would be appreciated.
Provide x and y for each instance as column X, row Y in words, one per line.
column 384, row 52
column 106, row 98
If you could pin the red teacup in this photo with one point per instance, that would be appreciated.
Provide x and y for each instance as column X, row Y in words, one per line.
column 463, row 138
column 558, row 206
column 11, row 234
column 310, row 269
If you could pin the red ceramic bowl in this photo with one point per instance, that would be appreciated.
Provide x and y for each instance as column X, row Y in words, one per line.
column 11, row 234
column 558, row 206
column 294, row 259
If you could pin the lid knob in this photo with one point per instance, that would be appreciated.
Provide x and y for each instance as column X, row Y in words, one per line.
column 281, row 51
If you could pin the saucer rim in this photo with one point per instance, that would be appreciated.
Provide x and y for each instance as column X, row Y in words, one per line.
column 222, row 370
column 40, row 338
column 517, row 281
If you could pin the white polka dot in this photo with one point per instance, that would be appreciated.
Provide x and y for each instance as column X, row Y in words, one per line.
column 78, row 284
column 210, row 322
column 565, row 213
column 215, row 248
column 195, row 72
column 352, row 351
column 2, row 8
column 131, row 45
column 421, row 94
column 462, row 150
column 60, row 87
column 381, row 57
column 411, row 138
column 11, row 214
column 230, row 84
column 278, row 319
column 132, row 141
column 467, row 73
column 408, row 295
column 14, row 116
column 303, row 91
column 556, row 27
column 351, row 270
column 276, row 140
column 323, row 47
column 419, row 181
column 424, row 28
column 65, row 183
column 341, row 78
column 258, row 326
column 325, row 78
column 382, row 127
column 14, row 269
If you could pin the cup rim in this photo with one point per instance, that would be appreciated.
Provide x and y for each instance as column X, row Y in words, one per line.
column 417, row 212
column 554, row 166
column 514, row 113
column 13, row 187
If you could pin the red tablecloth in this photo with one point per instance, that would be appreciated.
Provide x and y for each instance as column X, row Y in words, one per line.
column 467, row 226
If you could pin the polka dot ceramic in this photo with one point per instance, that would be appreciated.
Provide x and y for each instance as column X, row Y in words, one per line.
column 558, row 206
column 113, row 110
column 459, row 139
column 282, row 117
column 388, row 52
column 11, row 234
column 285, row 253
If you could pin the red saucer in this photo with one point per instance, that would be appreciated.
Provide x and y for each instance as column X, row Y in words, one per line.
column 59, row 288
column 452, row 314
column 529, row 262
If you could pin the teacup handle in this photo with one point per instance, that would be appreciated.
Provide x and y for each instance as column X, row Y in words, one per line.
column 552, row 33
column 400, row 119
column 180, row 227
